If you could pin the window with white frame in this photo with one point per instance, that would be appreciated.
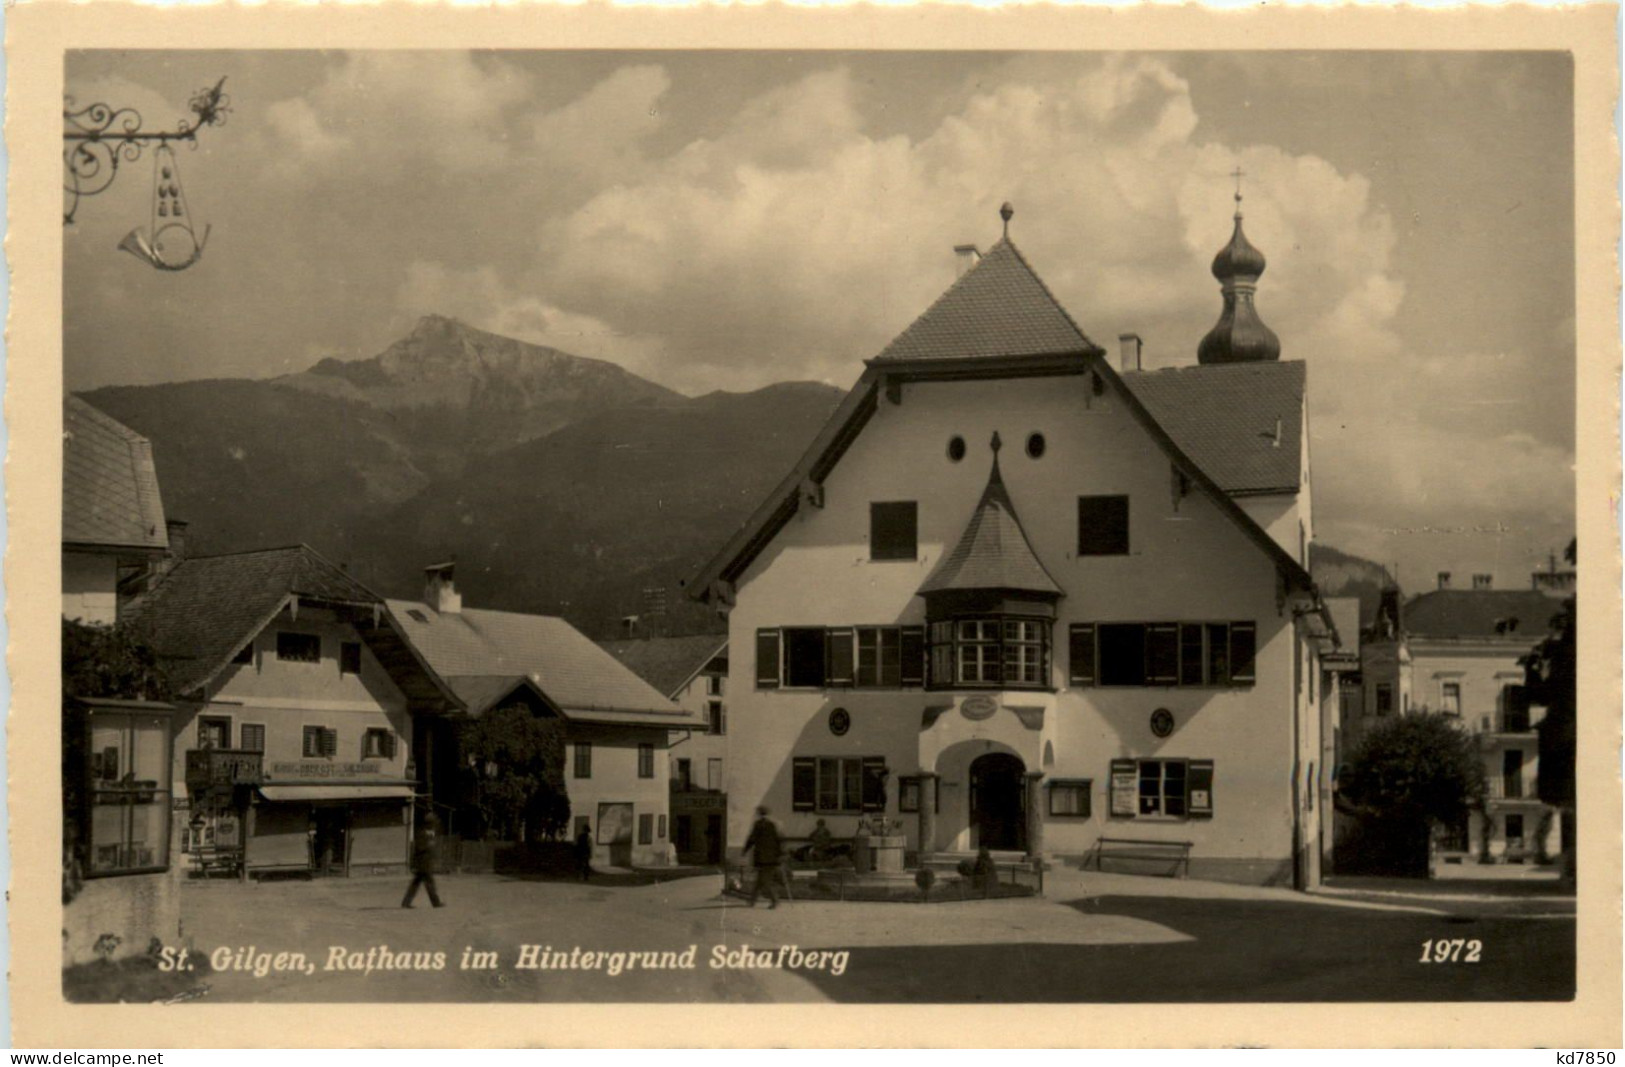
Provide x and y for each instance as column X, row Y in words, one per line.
column 1450, row 698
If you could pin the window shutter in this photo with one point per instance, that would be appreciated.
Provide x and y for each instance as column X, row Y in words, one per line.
column 1125, row 787
column 913, row 655
column 1082, row 654
column 1243, row 651
column 1199, row 787
column 1190, row 653
column 803, row 783
column 874, row 783
column 838, row 656
column 389, row 745
column 1162, row 654
column 767, row 659
column 330, row 742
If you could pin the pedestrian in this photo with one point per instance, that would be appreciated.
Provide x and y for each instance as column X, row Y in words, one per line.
column 584, row 854
column 765, row 848
column 425, row 858
column 819, row 842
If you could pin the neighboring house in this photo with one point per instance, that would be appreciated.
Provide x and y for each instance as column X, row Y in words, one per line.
column 1340, row 696
column 617, row 728
column 113, row 527
column 693, row 672
column 1457, row 651
column 116, row 765
column 1026, row 600
column 294, row 734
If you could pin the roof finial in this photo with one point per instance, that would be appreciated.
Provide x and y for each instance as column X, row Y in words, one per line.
column 1238, row 174
column 995, row 444
column 1005, row 211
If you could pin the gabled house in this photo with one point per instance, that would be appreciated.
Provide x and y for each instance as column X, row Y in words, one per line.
column 1458, row 651
column 120, row 884
column 617, row 728
column 114, row 532
column 299, row 704
column 693, row 672
column 1020, row 598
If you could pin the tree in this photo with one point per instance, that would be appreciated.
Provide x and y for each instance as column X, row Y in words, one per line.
column 1550, row 680
column 517, row 759
column 1409, row 775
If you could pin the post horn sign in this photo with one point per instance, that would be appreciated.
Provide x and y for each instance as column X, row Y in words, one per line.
column 978, row 708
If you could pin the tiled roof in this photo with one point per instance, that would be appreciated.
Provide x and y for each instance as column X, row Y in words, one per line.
column 575, row 674
column 667, row 662
column 1224, row 416
column 208, row 607
column 997, row 308
column 1521, row 614
column 993, row 552
column 109, row 483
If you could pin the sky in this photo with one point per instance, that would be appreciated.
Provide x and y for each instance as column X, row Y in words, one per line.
column 726, row 220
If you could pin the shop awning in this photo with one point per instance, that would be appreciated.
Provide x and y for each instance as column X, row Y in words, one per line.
column 336, row 792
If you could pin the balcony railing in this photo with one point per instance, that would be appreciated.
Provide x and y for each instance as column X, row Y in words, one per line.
column 1504, row 788
column 217, row 768
column 1505, row 722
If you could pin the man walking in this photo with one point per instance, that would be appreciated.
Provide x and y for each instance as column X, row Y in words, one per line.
column 765, row 848
column 425, row 858
column 584, row 854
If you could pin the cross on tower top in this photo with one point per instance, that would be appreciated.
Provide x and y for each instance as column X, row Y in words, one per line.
column 1238, row 174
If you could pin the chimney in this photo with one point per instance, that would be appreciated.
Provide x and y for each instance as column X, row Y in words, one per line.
column 439, row 590
column 966, row 257
column 177, row 539
column 1129, row 345
column 1482, row 581
column 1444, row 579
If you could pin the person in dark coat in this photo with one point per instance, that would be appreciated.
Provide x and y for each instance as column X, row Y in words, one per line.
column 766, row 853
column 425, row 858
column 584, row 854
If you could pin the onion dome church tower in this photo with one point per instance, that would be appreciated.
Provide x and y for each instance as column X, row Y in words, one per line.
column 1239, row 336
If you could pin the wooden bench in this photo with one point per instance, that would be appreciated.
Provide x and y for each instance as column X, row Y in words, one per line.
column 1135, row 848
column 211, row 860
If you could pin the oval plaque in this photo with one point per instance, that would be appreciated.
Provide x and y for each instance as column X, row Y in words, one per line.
column 840, row 721
column 977, row 708
column 1162, row 722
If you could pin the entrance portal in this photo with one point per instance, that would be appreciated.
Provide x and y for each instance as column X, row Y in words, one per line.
column 998, row 802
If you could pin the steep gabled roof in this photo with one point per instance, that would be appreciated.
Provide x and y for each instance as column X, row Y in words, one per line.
column 1225, row 416
column 959, row 338
column 573, row 674
column 1522, row 615
column 993, row 552
column 667, row 663
column 209, row 607
column 110, row 492
column 997, row 308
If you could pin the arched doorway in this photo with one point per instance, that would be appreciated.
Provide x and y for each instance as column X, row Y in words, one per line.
column 998, row 802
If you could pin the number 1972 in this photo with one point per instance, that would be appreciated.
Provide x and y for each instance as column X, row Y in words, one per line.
column 1446, row 950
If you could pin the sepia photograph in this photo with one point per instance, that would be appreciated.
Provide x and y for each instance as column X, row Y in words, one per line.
column 1059, row 526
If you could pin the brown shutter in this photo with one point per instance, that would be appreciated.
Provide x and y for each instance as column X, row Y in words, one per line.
column 913, row 655
column 874, row 783
column 1199, row 789
column 389, row 744
column 1162, row 654
column 803, row 783
column 330, row 742
column 1082, row 654
column 767, row 659
column 1243, row 651
column 838, row 656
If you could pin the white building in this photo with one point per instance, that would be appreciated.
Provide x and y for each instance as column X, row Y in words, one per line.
column 1028, row 600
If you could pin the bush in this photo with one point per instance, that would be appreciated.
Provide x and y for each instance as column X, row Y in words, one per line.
column 1408, row 775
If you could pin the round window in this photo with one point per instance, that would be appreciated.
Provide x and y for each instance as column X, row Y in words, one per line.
column 956, row 448
column 1035, row 445
column 1162, row 722
column 840, row 721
